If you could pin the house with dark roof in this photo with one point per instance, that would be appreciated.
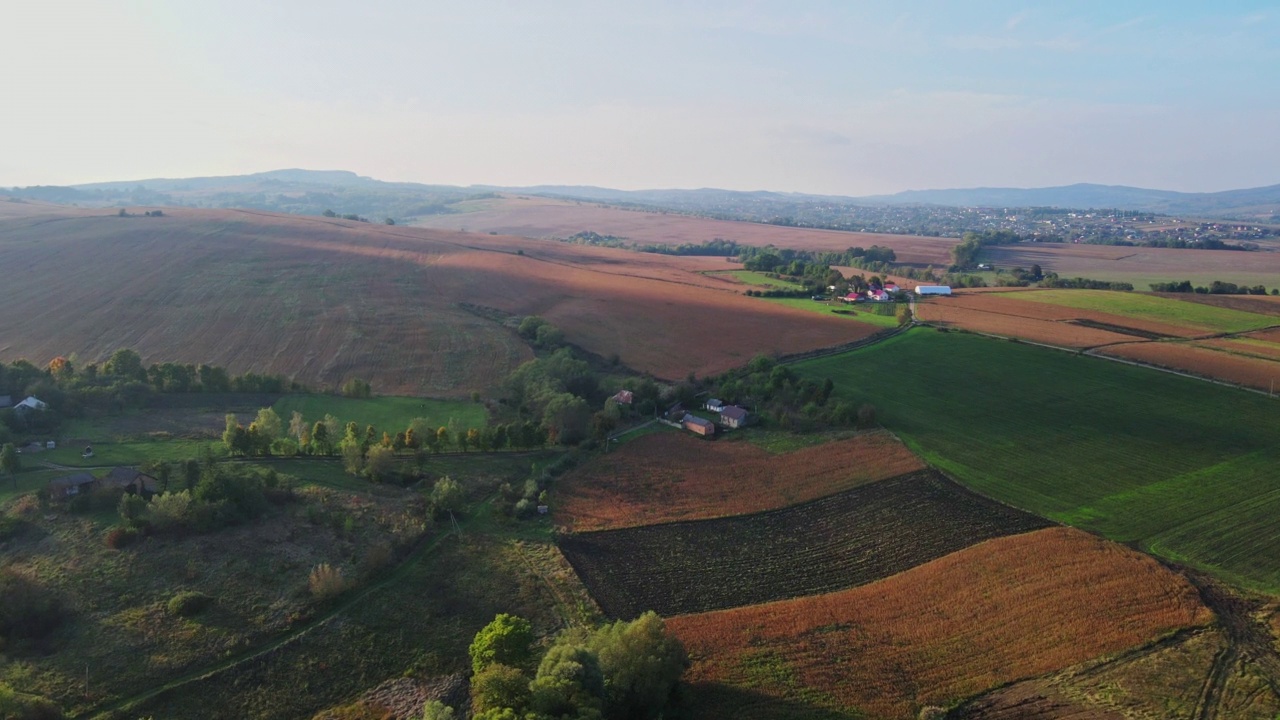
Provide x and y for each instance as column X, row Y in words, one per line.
column 733, row 416
column 71, row 485
column 131, row 480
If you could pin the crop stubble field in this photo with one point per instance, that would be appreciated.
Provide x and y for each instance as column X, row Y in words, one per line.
column 1138, row 265
column 1135, row 454
column 1001, row 610
column 544, row 217
column 850, row 538
column 669, row 477
column 324, row 300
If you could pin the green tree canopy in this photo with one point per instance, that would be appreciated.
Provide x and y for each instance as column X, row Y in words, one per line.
column 507, row 640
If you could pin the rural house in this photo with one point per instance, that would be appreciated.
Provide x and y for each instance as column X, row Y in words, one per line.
column 624, row 397
column 31, row 403
column 70, row 485
column 698, row 426
column 733, row 416
column 714, row 405
column 131, row 480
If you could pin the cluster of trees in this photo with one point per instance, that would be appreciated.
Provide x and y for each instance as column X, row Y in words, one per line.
column 965, row 254
column 1217, row 287
column 712, row 248
column 1051, row 280
column 557, row 392
column 621, row 671
column 222, row 495
column 540, row 333
column 777, row 396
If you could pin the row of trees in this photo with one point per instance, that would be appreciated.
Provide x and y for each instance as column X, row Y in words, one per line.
column 1217, row 287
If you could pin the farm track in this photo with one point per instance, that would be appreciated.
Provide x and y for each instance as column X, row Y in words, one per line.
column 420, row 553
column 1248, row 641
column 843, row 540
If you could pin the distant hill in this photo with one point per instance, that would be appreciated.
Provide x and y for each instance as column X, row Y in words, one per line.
column 312, row 191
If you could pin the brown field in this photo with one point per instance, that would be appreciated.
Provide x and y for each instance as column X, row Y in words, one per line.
column 1251, row 345
column 969, row 315
column 1272, row 335
column 1253, row 372
column 324, row 300
column 668, row 477
column 544, row 217
column 1141, row 266
column 1261, row 304
column 1006, row 609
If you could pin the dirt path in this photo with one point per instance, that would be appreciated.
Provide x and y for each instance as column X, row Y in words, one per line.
column 1249, row 640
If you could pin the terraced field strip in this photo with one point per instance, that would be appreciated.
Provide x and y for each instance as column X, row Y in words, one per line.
column 1005, row 609
column 1155, row 308
column 669, row 477
column 851, row 538
column 1066, row 437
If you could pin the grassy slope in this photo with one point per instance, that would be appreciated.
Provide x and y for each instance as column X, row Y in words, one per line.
column 390, row 414
column 1176, row 464
column 1152, row 307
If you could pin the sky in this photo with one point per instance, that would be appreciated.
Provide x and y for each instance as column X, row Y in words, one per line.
column 842, row 97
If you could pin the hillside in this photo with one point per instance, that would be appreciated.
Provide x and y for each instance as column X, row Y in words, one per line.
column 324, row 299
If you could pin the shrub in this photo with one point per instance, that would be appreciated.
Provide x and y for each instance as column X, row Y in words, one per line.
column 327, row 581
column 118, row 537
column 170, row 511
column 188, row 603
column 377, row 557
column 21, row 706
column 29, row 610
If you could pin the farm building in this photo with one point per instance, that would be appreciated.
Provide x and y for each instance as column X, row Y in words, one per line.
column 734, row 417
column 933, row 290
column 624, row 397
column 714, row 405
column 71, row 485
column 878, row 295
column 131, row 480
column 698, row 426
column 852, row 297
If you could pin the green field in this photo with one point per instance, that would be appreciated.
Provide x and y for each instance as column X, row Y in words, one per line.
column 132, row 452
column 759, row 279
column 1183, row 467
column 390, row 414
column 1209, row 318
column 864, row 313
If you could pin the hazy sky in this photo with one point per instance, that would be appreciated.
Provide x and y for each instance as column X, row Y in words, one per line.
column 836, row 97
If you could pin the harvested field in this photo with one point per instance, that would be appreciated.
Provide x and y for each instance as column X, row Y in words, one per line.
column 855, row 537
column 1255, row 372
column 1051, row 332
column 545, row 217
column 324, row 300
column 1140, row 266
column 1261, row 304
column 672, row 476
column 1272, row 335
column 1009, row 608
column 1248, row 345
column 1024, row 304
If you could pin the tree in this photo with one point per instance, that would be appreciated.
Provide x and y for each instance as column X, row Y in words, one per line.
column 270, row 427
column 60, row 368
column 10, row 462
column 126, row 364
column 569, row 684
column 320, row 440
column 442, row 439
column 904, row 315
column 641, row 663
column 356, row 388
column 352, row 455
column 446, row 495
column 499, row 686
column 379, row 463
column 297, row 427
column 507, row 640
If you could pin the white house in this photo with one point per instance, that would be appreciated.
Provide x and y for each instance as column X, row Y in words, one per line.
column 32, row 403
column 714, row 405
column 933, row 290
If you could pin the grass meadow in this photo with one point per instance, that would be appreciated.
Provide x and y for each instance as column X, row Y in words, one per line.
column 390, row 414
column 1180, row 466
column 1209, row 318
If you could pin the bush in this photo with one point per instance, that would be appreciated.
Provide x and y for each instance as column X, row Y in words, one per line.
column 29, row 610
column 118, row 537
column 21, row 706
column 327, row 581
column 170, row 511
column 188, row 603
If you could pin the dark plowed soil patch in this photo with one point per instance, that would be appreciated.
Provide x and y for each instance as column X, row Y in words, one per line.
column 1123, row 330
column 851, row 538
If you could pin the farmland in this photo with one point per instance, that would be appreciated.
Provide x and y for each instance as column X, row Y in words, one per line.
column 1232, row 362
column 669, row 476
column 546, row 217
column 1140, row 266
column 1158, row 309
column 325, row 300
column 1071, row 437
column 998, row 611
column 851, row 538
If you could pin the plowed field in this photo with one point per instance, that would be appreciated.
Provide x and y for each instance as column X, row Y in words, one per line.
column 324, row 300
column 989, row 314
column 1002, row 610
column 1256, row 372
column 544, row 217
column 1140, row 266
column 669, row 476
column 855, row 537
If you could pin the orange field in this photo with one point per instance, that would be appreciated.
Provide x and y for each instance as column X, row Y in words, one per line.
column 324, row 299
column 545, row 217
column 1254, row 372
column 1009, row 608
column 1252, row 345
column 970, row 315
column 667, row 477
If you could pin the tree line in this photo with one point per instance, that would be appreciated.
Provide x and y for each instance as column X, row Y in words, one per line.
column 1217, row 287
